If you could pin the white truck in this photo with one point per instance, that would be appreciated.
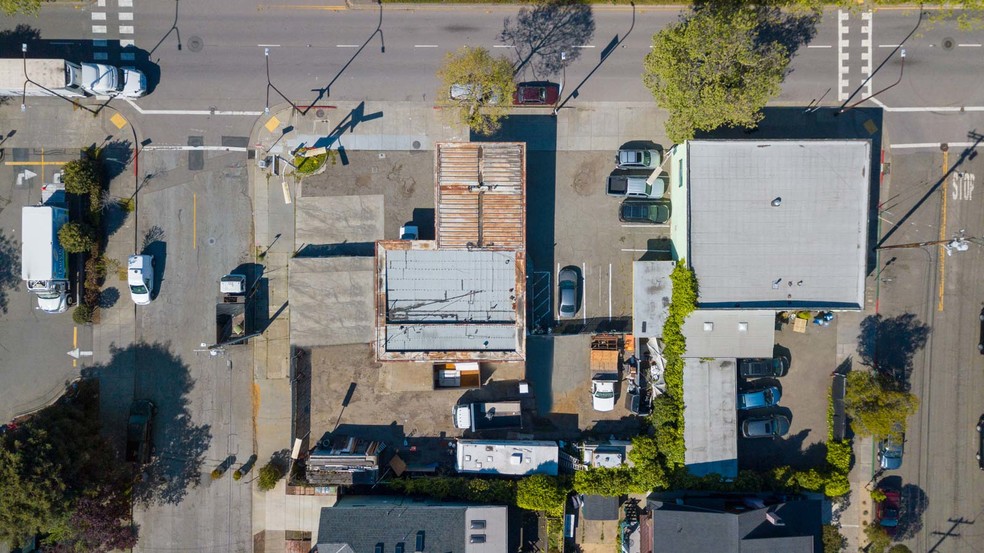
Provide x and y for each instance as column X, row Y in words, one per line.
column 604, row 366
column 56, row 77
column 44, row 263
column 500, row 415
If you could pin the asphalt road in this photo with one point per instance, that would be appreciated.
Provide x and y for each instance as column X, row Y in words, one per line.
column 940, row 478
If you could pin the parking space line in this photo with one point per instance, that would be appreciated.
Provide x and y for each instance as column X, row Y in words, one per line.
column 194, row 221
column 75, row 342
column 584, row 295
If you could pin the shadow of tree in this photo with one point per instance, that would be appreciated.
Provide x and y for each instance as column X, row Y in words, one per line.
column 109, row 297
column 11, row 39
column 889, row 345
column 540, row 34
column 914, row 504
column 791, row 28
column 114, row 157
column 180, row 444
column 9, row 264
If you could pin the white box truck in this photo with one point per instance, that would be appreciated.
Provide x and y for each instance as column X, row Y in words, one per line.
column 53, row 77
column 44, row 263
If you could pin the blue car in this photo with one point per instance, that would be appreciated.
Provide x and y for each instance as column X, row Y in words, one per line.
column 755, row 399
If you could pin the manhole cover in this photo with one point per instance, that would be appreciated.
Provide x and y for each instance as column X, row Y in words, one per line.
column 416, row 144
column 948, row 43
column 211, row 241
column 195, row 44
column 320, row 113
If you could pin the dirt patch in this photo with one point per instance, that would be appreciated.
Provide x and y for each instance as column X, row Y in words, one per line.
column 586, row 179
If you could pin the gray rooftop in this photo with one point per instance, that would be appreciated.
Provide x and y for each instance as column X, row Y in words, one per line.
column 730, row 333
column 600, row 507
column 362, row 523
column 459, row 337
column 711, row 431
column 733, row 527
column 441, row 286
column 651, row 294
column 332, row 301
column 810, row 251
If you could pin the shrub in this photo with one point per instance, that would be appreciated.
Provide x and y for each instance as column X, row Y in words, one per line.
column 81, row 176
column 837, row 485
column 76, row 237
column 878, row 539
column 82, row 314
column 833, row 541
column 540, row 492
column 453, row 487
column 839, row 455
column 270, row 474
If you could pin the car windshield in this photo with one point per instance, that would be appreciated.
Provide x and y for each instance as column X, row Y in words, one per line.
column 49, row 295
column 604, row 395
column 138, row 289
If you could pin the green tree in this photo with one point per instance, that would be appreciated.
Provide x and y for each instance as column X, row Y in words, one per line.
column 878, row 539
column 874, row 407
column 31, row 495
column 833, row 541
column 899, row 548
column 611, row 482
column 270, row 474
column 76, row 237
column 82, row 176
column 540, row 492
column 487, row 91
column 27, row 7
column 711, row 70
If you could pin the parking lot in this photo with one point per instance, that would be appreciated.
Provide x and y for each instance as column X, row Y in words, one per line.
column 805, row 390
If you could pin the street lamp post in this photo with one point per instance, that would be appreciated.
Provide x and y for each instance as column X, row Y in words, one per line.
column 266, row 107
column 27, row 79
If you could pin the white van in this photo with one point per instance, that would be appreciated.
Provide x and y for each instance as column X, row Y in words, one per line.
column 627, row 185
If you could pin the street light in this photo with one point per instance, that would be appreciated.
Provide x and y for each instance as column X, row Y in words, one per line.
column 897, row 81
column 266, row 107
column 27, row 80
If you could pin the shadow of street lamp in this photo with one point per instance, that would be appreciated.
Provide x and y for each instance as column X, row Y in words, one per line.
column 27, row 80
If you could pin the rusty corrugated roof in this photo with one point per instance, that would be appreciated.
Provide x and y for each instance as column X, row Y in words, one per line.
column 481, row 195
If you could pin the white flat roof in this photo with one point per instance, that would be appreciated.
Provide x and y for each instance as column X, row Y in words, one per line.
column 730, row 333
column 710, row 429
column 507, row 457
column 809, row 251
column 652, row 291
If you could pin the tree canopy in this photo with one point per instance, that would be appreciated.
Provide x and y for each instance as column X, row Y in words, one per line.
column 540, row 492
column 12, row 7
column 81, row 175
column 874, row 407
column 484, row 88
column 712, row 70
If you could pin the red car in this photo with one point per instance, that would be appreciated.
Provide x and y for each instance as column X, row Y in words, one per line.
column 536, row 94
column 887, row 511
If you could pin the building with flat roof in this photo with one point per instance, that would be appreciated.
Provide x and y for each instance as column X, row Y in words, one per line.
column 462, row 296
column 730, row 333
column 710, row 431
column 773, row 224
column 512, row 457
column 381, row 524
column 344, row 460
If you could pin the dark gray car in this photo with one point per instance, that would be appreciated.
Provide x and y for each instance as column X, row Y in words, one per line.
column 758, row 368
column 653, row 213
column 138, row 431
column 568, row 281
column 770, row 426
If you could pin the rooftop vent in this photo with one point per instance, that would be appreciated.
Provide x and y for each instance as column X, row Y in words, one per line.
column 420, row 541
column 774, row 519
column 379, row 548
column 399, row 547
column 742, row 327
column 708, row 326
column 478, row 525
column 777, row 202
column 476, row 538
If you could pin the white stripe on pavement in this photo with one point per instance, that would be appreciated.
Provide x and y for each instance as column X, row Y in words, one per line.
column 126, row 16
column 99, row 29
column 98, row 16
column 126, row 30
column 126, row 42
column 819, row 45
column 933, row 145
column 187, row 111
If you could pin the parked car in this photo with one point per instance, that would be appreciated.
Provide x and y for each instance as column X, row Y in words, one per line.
column 409, row 232
column 980, row 341
column 654, row 213
column 140, row 278
column 890, row 449
column 980, row 442
column 771, row 426
column 758, row 398
column 758, row 368
column 634, row 158
column 634, row 185
column 887, row 511
column 463, row 92
column 138, row 431
column 603, row 394
column 568, row 281
column 536, row 94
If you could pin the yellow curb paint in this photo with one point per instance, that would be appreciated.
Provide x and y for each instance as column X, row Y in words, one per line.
column 272, row 124
column 118, row 120
column 35, row 162
column 194, row 221
column 75, row 342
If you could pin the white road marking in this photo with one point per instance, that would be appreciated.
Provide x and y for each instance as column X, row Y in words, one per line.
column 866, row 56
column 584, row 295
column 126, row 3
column 268, row 45
column 346, row 46
column 126, row 16
column 585, row 46
column 101, row 3
column 934, row 145
column 889, row 45
column 503, row 46
column 180, row 148
column 963, row 186
column 187, row 111
column 98, row 16
column 819, row 45
column 842, row 44
column 425, row 45
column 128, row 56
column 969, row 45
column 609, row 291
column 99, row 29
column 126, row 42
column 100, row 43
column 100, row 56
column 126, row 29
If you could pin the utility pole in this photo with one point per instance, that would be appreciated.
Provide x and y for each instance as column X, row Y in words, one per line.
column 959, row 243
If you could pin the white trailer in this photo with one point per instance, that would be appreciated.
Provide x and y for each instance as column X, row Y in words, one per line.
column 44, row 263
column 44, row 77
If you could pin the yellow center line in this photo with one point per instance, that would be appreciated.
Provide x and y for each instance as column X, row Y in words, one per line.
column 942, row 249
column 42, row 163
column 194, row 221
column 75, row 341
